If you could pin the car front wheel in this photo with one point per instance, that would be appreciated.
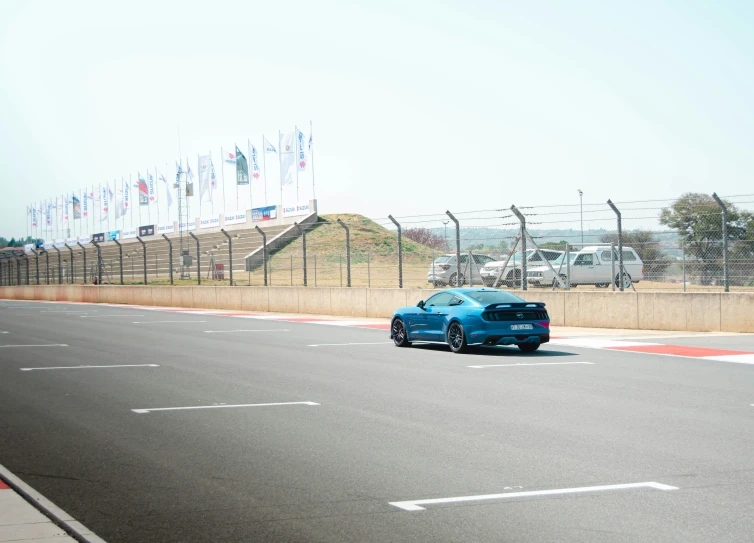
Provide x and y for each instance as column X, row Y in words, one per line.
column 626, row 280
column 400, row 337
column 456, row 338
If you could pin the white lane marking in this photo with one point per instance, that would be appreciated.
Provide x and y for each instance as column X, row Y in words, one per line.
column 46, row 345
column 415, row 505
column 529, row 364
column 100, row 316
column 220, row 406
column 231, row 331
column 152, row 322
column 343, row 344
column 61, row 311
column 87, row 367
column 3, row 332
column 598, row 343
column 736, row 358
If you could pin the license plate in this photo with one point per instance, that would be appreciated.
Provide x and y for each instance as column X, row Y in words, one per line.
column 522, row 326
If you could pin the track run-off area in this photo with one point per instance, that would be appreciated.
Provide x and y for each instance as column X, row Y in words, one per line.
column 171, row 425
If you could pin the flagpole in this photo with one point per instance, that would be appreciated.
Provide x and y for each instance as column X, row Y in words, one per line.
column 200, row 184
column 156, row 199
column 235, row 145
column 264, row 165
column 311, row 139
column 296, row 160
column 280, row 173
column 138, row 177
column 188, row 202
column 248, row 150
column 211, row 196
column 222, row 172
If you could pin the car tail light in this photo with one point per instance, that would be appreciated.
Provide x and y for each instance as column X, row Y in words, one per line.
column 544, row 323
column 444, row 267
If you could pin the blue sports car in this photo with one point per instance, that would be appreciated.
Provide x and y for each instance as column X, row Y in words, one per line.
column 473, row 316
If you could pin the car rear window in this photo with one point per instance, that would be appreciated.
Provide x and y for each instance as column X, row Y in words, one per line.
column 443, row 259
column 487, row 297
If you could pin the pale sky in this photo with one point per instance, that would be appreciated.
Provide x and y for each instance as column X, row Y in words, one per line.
column 417, row 106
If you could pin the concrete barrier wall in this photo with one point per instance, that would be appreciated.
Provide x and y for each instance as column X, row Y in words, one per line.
column 699, row 312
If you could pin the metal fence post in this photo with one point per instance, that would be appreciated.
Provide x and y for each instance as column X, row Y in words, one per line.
column 303, row 237
column 264, row 254
column 400, row 251
column 434, row 281
column 683, row 263
column 83, row 251
column 144, row 254
column 26, row 257
column 120, row 259
column 459, row 279
column 47, row 267
column 471, row 268
column 72, row 274
column 230, row 254
column 568, row 266
column 725, row 240
column 612, row 264
column 99, row 262
column 369, row 271
column 60, row 272
column 170, row 258
column 18, row 270
column 198, row 257
column 340, row 265
column 348, row 252
column 36, row 258
column 524, row 282
column 621, row 271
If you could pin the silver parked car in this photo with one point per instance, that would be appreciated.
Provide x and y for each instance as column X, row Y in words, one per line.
column 512, row 274
column 444, row 271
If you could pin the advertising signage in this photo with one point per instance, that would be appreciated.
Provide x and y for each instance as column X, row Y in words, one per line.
column 111, row 236
column 98, row 238
column 264, row 213
column 146, row 230
column 296, row 210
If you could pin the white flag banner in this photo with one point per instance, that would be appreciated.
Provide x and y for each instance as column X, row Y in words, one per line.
column 287, row 158
column 126, row 195
column 34, row 216
column 105, row 204
column 167, row 191
column 66, row 222
column 205, row 178
column 120, row 202
column 229, row 158
column 268, row 147
column 254, row 158
column 300, row 150
column 152, row 190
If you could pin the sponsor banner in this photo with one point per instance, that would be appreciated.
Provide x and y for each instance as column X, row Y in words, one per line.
column 189, row 225
column 47, row 245
column 209, row 222
column 60, row 243
column 98, row 238
column 296, row 210
column 146, row 230
column 128, row 234
column 70, row 242
column 238, row 218
column 110, row 236
column 264, row 213
column 29, row 248
column 83, row 240
column 166, row 228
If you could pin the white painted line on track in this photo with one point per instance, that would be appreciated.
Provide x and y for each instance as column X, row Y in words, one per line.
column 345, row 344
column 3, row 332
column 232, row 331
column 415, row 505
column 161, row 322
column 46, row 345
column 529, row 364
column 221, row 406
column 101, row 316
column 88, row 367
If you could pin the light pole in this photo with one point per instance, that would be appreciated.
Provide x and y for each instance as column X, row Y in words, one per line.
column 581, row 213
column 445, row 223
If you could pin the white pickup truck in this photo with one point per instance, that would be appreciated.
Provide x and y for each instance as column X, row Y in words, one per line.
column 592, row 266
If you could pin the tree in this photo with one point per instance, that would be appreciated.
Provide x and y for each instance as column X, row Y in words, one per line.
column 425, row 237
column 554, row 245
column 647, row 246
column 698, row 220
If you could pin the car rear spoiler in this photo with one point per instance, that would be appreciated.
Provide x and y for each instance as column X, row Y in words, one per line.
column 522, row 305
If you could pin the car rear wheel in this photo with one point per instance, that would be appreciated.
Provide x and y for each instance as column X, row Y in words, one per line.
column 529, row 347
column 626, row 280
column 400, row 337
column 456, row 338
column 453, row 278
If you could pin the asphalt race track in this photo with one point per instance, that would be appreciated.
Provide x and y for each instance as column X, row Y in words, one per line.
column 356, row 440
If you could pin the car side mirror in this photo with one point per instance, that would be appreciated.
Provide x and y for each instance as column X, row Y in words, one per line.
column 420, row 305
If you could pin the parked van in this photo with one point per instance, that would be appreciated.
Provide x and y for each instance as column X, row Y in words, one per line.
column 593, row 266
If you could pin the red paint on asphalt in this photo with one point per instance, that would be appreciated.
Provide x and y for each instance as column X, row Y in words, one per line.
column 384, row 326
column 679, row 350
column 3, row 486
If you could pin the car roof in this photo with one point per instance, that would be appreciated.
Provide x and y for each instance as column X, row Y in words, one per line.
column 593, row 248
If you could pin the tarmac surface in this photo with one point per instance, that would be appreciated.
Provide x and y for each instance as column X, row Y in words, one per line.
column 304, row 432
